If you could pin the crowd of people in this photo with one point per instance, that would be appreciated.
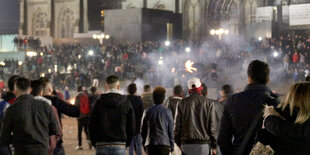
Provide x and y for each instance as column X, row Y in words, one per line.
column 251, row 121
column 74, row 65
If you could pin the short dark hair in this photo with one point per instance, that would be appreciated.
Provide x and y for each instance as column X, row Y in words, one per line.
column 146, row 87
column 44, row 81
column 112, row 79
column 227, row 89
column 11, row 82
column 308, row 78
column 259, row 72
column 178, row 90
column 93, row 90
column 204, row 89
column 23, row 83
column 80, row 88
column 37, row 87
column 159, row 95
column 132, row 88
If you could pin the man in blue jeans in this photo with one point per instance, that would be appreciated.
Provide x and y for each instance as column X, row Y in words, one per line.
column 112, row 122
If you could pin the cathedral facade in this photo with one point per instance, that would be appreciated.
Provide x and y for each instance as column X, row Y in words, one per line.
column 53, row 18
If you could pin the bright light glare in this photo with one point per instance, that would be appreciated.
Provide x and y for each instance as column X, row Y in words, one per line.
column 173, row 70
column 189, row 66
column 167, row 43
column 160, row 62
column 212, row 32
column 20, row 62
column 187, row 49
column 275, row 54
column 95, row 36
column 90, row 52
column 107, row 36
column 260, row 38
column 72, row 101
column 226, row 31
column 79, row 56
column 31, row 53
column 2, row 63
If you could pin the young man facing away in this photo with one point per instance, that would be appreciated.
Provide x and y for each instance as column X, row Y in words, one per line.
column 26, row 118
column 157, row 126
column 112, row 122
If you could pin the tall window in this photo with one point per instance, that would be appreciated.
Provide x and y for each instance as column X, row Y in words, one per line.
column 66, row 23
column 39, row 26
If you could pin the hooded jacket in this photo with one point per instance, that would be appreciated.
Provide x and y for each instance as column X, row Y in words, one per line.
column 112, row 120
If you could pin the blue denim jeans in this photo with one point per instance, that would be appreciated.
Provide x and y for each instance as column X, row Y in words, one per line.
column 111, row 150
column 136, row 145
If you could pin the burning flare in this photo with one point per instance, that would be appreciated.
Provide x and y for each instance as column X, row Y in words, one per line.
column 189, row 66
column 173, row 70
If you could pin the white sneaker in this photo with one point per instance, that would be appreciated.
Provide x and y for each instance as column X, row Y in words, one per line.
column 79, row 148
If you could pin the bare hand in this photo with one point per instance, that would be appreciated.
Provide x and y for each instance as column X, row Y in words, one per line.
column 213, row 152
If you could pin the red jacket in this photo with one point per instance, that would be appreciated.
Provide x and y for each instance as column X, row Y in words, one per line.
column 295, row 58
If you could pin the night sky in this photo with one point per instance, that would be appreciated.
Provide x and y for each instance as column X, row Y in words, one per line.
column 9, row 16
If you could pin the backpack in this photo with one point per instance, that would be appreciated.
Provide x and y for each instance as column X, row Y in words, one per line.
column 3, row 107
column 84, row 104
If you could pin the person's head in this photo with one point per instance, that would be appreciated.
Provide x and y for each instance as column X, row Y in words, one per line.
column 258, row 72
column 178, row 90
column 159, row 95
column 11, row 82
column 112, row 82
column 47, row 86
column 93, row 90
column 194, row 85
column 66, row 88
column 132, row 89
column 298, row 97
column 226, row 90
column 79, row 88
column 308, row 78
column 147, row 88
column 36, row 88
column 22, row 86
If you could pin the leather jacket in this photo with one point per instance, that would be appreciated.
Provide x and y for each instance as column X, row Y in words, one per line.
column 195, row 122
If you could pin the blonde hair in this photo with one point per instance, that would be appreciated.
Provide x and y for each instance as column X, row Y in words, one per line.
column 298, row 97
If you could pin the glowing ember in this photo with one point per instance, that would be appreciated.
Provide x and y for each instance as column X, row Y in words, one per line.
column 189, row 66
column 173, row 70
column 72, row 100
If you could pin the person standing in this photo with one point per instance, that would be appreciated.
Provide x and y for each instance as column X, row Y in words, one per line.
column 157, row 127
column 146, row 96
column 62, row 108
column 241, row 109
column 112, row 121
column 173, row 101
column 137, row 105
column 26, row 118
column 195, row 123
column 83, row 103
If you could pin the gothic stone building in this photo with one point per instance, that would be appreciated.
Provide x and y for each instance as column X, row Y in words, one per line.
column 53, row 18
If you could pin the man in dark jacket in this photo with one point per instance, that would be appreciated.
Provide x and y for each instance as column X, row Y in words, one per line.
column 146, row 96
column 241, row 109
column 82, row 101
column 195, row 123
column 62, row 108
column 157, row 127
column 28, row 123
column 112, row 122
column 173, row 101
column 137, row 105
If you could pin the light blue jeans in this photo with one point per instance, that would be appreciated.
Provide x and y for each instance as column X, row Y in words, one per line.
column 111, row 150
column 136, row 145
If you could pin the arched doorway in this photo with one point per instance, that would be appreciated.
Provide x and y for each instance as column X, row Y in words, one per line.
column 39, row 23
column 66, row 23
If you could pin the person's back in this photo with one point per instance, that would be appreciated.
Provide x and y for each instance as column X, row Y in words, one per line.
column 147, row 98
column 173, row 101
column 28, row 123
column 241, row 109
column 112, row 122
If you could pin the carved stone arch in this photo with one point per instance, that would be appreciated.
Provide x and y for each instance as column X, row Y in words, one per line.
column 40, row 23
column 66, row 23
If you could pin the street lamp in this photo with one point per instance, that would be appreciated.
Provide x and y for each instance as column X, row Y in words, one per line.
column 219, row 32
column 187, row 49
column 90, row 52
column 167, row 43
column 101, row 37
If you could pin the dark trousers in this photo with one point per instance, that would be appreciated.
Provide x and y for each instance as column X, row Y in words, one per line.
column 59, row 150
column 158, row 150
column 82, row 123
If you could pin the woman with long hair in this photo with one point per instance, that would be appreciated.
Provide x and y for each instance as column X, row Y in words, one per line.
column 288, row 124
